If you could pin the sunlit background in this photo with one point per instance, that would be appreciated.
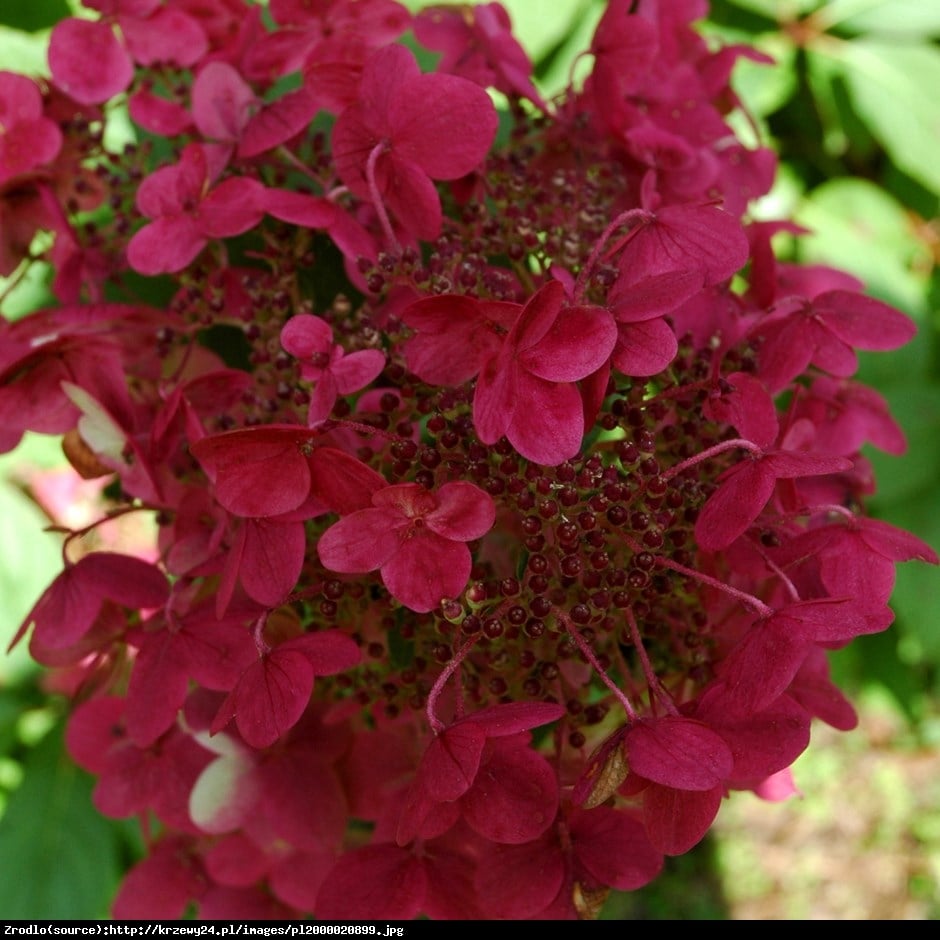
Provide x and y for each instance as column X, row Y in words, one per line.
column 853, row 109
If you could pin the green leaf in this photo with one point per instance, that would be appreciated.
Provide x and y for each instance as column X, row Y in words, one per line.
column 31, row 557
column 59, row 859
column 764, row 89
column 894, row 90
column 916, row 596
column 777, row 11
column 33, row 15
column 539, row 33
column 916, row 407
column 910, row 19
column 860, row 228
column 24, row 52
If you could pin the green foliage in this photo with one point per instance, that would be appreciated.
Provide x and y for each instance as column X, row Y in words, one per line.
column 59, row 858
column 31, row 16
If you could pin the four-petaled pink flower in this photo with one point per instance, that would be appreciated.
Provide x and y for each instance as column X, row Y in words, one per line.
column 527, row 391
column 27, row 138
column 407, row 129
column 415, row 538
column 326, row 363
column 188, row 210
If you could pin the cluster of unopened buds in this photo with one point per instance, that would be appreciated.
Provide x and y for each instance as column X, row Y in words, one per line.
column 508, row 489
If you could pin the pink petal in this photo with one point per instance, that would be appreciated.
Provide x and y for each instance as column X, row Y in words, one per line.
column 425, row 570
column 28, row 144
column 464, row 512
column 422, row 817
column 736, row 503
column 790, row 464
column 895, row 543
column 678, row 752
column 322, row 399
column 168, row 189
column 272, row 559
column 20, row 99
column 307, row 817
column 761, row 667
column 788, row 348
column 677, row 820
column 537, row 317
column 156, row 691
column 158, row 115
column 644, row 348
column 327, row 651
column 748, row 407
column 94, row 727
column 270, row 697
column 684, row 237
column 278, row 122
column 451, row 761
column 518, row 881
column 384, row 81
column 768, row 742
column 232, row 207
column 73, row 44
column 614, row 848
column 296, row 879
column 453, row 338
column 580, row 341
column 129, row 581
column 161, row 886
column 222, row 102
column 356, row 370
column 165, row 246
column 513, row 717
column 514, row 797
column 242, row 465
column 547, row 422
column 360, row 542
column 864, row 322
column 343, row 483
column 304, row 335
column 652, row 296
column 168, row 36
column 299, row 208
column 444, row 124
column 373, row 882
column 408, row 191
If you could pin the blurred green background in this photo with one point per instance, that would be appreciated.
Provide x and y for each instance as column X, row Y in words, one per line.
column 852, row 106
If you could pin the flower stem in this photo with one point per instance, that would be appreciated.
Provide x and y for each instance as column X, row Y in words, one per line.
column 588, row 654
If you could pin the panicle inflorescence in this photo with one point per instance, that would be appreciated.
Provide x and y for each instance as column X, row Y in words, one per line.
column 508, row 488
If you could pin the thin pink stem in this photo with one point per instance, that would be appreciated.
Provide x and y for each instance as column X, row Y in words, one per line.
column 738, row 442
column 384, row 220
column 598, row 248
column 437, row 726
column 589, row 655
column 747, row 599
column 652, row 680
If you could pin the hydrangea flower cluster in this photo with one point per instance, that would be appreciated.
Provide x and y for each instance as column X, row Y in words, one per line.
column 508, row 488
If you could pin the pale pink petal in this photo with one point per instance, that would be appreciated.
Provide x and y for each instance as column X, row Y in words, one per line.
column 74, row 44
